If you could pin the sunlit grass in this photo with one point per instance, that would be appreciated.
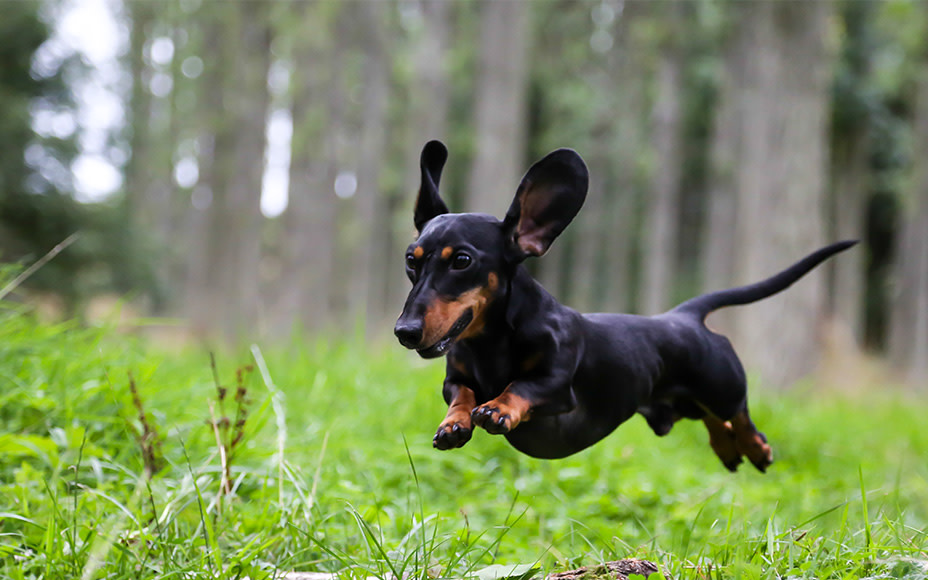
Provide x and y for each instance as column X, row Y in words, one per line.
column 336, row 473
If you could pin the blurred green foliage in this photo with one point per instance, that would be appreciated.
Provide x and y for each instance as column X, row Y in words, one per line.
column 37, row 207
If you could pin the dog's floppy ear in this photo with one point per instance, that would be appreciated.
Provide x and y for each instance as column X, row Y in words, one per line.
column 429, row 204
column 549, row 197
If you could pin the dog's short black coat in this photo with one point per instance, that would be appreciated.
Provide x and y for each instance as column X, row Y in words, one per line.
column 555, row 381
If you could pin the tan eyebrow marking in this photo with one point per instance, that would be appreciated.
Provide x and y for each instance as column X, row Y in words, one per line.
column 418, row 252
column 446, row 252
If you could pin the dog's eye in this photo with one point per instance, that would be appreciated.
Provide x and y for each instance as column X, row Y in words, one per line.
column 410, row 261
column 460, row 261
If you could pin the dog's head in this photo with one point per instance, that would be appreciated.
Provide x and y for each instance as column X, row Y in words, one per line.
column 460, row 263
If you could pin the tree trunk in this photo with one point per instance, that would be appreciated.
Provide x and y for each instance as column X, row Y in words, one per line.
column 908, row 339
column 429, row 97
column 367, row 290
column 850, row 172
column 244, row 194
column 150, row 199
column 718, row 243
column 500, row 116
column 137, row 170
column 780, row 181
column 426, row 114
column 598, row 268
column 629, row 133
column 309, row 220
column 240, row 40
column 662, row 221
column 199, row 304
column 849, row 185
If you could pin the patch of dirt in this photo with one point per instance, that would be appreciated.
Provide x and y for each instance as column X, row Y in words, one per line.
column 618, row 570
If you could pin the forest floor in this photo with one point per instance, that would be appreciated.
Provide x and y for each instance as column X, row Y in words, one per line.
column 317, row 456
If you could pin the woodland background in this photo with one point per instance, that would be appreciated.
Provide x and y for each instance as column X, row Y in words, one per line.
column 725, row 140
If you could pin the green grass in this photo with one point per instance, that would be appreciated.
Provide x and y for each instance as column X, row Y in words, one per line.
column 334, row 471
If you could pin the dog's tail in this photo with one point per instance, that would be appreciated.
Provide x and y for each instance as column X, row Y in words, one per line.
column 701, row 306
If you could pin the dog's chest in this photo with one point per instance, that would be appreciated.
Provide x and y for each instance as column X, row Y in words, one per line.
column 493, row 369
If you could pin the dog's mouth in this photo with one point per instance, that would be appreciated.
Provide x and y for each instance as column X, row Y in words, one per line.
column 444, row 343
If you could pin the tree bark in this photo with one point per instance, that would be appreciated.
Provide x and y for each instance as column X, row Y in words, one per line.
column 366, row 292
column 430, row 92
column 662, row 214
column 500, row 116
column 309, row 220
column 849, row 184
column 630, row 131
column 244, row 193
column 600, row 253
column 718, row 243
column 780, row 180
column 151, row 202
column 908, row 339
column 137, row 175
column 240, row 41
column 850, row 173
column 199, row 304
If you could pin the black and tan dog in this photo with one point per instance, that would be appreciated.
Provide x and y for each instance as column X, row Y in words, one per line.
column 555, row 381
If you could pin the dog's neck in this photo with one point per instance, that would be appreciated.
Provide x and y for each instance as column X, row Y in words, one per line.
column 526, row 298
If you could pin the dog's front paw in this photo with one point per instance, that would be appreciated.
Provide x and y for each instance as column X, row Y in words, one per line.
column 494, row 419
column 453, row 433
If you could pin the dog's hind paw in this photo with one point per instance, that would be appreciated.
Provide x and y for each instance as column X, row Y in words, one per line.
column 764, row 460
column 732, row 464
column 757, row 450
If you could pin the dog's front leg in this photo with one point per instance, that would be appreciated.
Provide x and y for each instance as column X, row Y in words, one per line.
column 504, row 413
column 522, row 399
column 457, row 427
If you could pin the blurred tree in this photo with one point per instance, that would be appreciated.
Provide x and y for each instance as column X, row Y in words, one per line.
column 908, row 338
column 581, row 98
column 661, row 221
column 718, row 244
column 854, row 103
column 162, row 133
column 35, row 212
column 38, row 131
column 780, row 178
column 317, row 108
column 622, row 159
column 500, row 101
column 199, row 274
column 237, row 60
column 366, row 288
column 138, row 170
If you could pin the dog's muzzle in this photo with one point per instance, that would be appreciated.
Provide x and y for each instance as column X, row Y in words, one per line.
column 408, row 333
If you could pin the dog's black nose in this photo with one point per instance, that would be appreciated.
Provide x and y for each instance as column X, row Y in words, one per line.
column 409, row 333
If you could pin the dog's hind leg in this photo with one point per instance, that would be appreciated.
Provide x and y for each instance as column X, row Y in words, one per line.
column 722, row 440
column 750, row 442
